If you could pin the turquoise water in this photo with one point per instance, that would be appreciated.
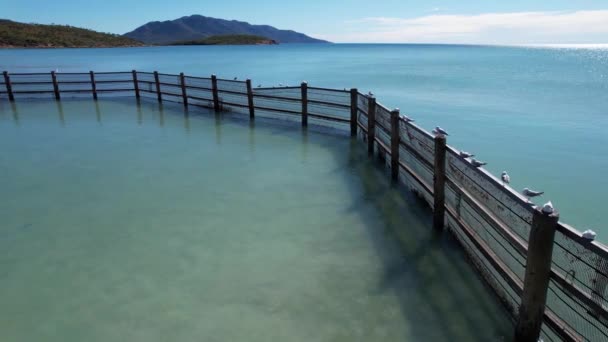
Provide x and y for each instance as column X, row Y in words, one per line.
column 139, row 223
column 538, row 113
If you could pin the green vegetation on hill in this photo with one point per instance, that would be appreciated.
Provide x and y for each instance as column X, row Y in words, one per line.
column 195, row 27
column 14, row 34
column 229, row 39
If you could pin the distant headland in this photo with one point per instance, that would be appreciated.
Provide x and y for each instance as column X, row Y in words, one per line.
column 190, row 30
column 20, row 35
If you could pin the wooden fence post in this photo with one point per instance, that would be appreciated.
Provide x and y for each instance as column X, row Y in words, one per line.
column 9, row 87
column 395, row 144
column 536, row 281
column 250, row 99
column 182, row 81
column 371, row 124
column 304, row 87
column 157, row 81
column 216, row 97
column 135, row 84
column 93, row 85
column 353, row 111
column 439, row 183
column 55, row 85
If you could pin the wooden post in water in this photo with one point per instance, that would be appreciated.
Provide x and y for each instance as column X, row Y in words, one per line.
column 159, row 95
column 216, row 96
column 9, row 87
column 135, row 84
column 304, row 87
column 395, row 144
column 439, row 183
column 536, row 281
column 182, row 82
column 55, row 85
column 93, row 85
column 371, row 124
column 353, row 111
column 250, row 99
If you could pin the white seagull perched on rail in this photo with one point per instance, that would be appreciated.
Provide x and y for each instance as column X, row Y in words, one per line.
column 407, row 118
column 478, row 163
column 548, row 208
column 589, row 235
column 440, row 131
column 531, row 193
column 465, row 155
column 506, row 179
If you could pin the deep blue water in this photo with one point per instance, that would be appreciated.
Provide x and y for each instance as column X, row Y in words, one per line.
column 539, row 113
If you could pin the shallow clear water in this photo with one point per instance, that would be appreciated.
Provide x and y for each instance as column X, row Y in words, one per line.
column 139, row 223
column 539, row 113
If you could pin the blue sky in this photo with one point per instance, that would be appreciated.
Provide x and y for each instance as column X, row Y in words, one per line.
column 439, row 21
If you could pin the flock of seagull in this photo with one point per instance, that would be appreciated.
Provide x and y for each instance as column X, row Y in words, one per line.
column 506, row 179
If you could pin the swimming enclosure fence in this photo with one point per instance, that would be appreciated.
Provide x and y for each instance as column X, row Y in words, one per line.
column 492, row 222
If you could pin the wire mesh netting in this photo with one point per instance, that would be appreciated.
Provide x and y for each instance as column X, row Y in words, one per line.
column 329, row 95
column 232, row 94
column 199, row 82
column 362, row 103
column 416, row 139
column 507, row 206
column 114, row 76
column 26, row 85
column 383, row 118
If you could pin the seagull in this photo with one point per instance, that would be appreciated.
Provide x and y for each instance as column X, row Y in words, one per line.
column 370, row 93
column 259, row 86
column 531, row 193
column 440, row 131
column 465, row 155
column 406, row 118
column 477, row 163
column 506, row 179
column 548, row 208
column 589, row 235
column 236, row 78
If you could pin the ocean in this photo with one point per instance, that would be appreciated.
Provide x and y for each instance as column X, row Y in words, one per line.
column 126, row 221
column 539, row 113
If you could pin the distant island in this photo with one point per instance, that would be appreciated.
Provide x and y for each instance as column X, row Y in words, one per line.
column 20, row 35
column 229, row 39
column 196, row 27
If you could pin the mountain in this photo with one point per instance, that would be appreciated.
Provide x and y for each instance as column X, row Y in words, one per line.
column 196, row 27
column 15, row 34
column 229, row 39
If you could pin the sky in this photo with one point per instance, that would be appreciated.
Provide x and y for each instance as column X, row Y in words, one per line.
column 349, row 21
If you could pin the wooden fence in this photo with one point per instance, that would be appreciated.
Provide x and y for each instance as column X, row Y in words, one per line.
column 543, row 270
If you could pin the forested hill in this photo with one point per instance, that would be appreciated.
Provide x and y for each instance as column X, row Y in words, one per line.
column 15, row 34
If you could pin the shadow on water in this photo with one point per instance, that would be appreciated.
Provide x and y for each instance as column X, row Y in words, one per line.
column 97, row 112
column 440, row 296
column 161, row 115
column 140, row 115
column 218, row 128
column 427, row 270
column 252, row 136
column 61, row 113
column 15, row 112
column 187, row 127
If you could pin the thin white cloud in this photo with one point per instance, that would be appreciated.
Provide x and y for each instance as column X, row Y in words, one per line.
column 487, row 28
